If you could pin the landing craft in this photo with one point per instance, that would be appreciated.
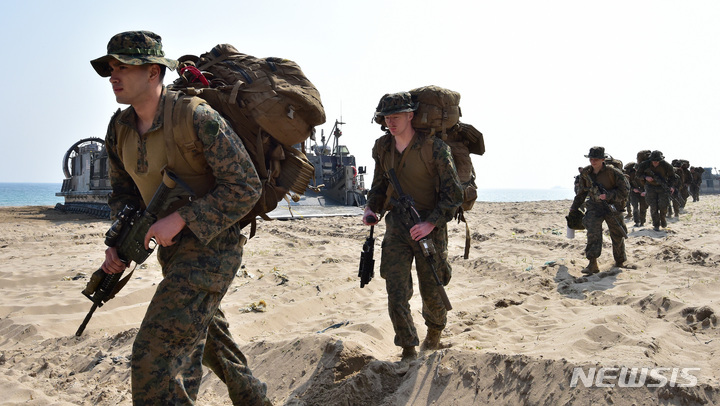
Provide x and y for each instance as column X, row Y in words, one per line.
column 338, row 180
column 86, row 185
column 710, row 181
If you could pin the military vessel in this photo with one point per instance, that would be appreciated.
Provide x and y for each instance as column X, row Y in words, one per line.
column 86, row 185
column 338, row 180
column 710, row 181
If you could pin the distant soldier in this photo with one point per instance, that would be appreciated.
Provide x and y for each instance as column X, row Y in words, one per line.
column 628, row 205
column 695, row 182
column 687, row 179
column 637, row 195
column 676, row 201
column 658, row 177
column 607, row 189
column 609, row 160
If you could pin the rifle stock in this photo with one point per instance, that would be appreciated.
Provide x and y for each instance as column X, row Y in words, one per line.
column 411, row 218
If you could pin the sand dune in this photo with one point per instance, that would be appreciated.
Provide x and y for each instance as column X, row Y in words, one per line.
column 524, row 316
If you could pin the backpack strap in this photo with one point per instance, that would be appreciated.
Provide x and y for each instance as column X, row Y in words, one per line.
column 427, row 157
column 179, row 130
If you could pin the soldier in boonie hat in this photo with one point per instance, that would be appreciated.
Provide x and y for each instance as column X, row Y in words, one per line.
column 656, row 156
column 597, row 153
column 133, row 48
column 393, row 103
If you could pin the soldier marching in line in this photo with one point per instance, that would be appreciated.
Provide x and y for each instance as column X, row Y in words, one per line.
column 607, row 189
column 695, row 182
column 636, row 195
column 658, row 177
column 676, row 199
column 437, row 197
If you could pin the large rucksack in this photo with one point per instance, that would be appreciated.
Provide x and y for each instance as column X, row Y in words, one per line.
column 270, row 104
column 438, row 114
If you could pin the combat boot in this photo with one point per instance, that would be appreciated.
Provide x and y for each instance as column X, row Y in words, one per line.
column 409, row 354
column 591, row 268
column 432, row 340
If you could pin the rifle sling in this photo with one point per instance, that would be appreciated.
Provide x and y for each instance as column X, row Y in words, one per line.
column 391, row 189
column 121, row 283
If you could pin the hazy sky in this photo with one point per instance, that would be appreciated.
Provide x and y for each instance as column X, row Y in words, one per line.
column 543, row 80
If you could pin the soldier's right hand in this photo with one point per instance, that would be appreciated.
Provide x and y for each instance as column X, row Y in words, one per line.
column 112, row 263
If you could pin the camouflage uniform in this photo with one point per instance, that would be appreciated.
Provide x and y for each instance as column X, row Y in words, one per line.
column 687, row 179
column 695, row 182
column 656, row 195
column 399, row 249
column 676, row 199
column 598, row 211
column 184, row 327
column 637, row 200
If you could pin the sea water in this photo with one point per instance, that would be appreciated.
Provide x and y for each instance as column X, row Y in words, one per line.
column 43, row 194
column 29, row 194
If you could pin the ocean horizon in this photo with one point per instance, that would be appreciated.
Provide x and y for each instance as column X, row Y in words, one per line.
column 43, row 194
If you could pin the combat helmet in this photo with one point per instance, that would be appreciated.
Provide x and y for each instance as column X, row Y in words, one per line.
column 643, row 156
column 393, row 103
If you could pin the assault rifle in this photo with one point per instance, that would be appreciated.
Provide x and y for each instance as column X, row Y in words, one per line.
column 602, row 191
column 366, row 270
column 661, row 180
column 127, row 235
column 411, row 217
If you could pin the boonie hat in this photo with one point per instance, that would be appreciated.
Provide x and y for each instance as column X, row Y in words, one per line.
column 393, row 103
column 133, row 48
column 656, row 156
column 596, row 152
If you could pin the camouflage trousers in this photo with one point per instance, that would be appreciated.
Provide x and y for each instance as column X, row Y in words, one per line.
column 684, row 195
column 398, row 252
column 695, row 192
column 658, row 200
column 640, row 206
column 594, row 217
column 676, row 203
column 184, row 327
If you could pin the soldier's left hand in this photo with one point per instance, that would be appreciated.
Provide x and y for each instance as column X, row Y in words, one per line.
column 164, row 230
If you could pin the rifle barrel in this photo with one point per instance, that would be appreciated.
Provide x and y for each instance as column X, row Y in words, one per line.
column 84, row 324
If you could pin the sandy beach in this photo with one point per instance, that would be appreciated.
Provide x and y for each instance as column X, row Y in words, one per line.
column 524, row 319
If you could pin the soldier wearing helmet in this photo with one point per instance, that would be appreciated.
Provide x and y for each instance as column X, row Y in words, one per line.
column 437, row 195
column 637, row 195
column 658, row 177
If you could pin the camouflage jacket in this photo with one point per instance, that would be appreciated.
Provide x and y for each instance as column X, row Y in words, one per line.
column 444, row 185
column 663, row 172
column 236, row 188
column 612, row 180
